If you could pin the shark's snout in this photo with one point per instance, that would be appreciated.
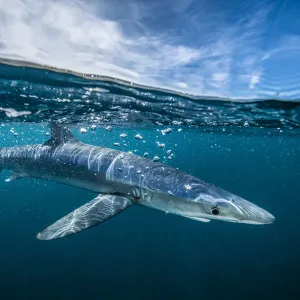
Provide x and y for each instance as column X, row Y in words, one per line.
column 252, row 214
column 266, row 218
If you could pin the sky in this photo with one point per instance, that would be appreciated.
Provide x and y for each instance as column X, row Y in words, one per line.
column 239, row 49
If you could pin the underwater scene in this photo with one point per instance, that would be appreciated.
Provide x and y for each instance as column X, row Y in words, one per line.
column 248, row 149
column 149, row 149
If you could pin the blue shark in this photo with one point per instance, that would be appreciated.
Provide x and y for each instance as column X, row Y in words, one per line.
column 120, row 180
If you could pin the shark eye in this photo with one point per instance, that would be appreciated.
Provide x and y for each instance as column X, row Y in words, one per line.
column 215, row 211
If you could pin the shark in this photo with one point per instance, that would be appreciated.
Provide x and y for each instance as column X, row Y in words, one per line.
column 121, row 179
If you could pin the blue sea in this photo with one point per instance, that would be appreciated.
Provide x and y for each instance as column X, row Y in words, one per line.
column 250, row 148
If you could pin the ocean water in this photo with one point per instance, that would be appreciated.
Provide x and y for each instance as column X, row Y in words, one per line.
column 248, row 148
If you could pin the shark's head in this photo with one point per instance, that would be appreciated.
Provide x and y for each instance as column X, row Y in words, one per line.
column 231, row 208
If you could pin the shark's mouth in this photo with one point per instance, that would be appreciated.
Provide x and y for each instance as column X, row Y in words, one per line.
column 198, row 219
column 253, row 222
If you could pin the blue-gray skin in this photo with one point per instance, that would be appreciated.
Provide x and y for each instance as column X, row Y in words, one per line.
column 121, row 179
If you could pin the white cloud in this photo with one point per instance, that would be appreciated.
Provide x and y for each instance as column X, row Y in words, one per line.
column 253, row 81
column 221, row 77
column 152, row 43
column 67, row 35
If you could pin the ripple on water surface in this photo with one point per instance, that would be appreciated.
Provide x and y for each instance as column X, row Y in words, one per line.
column 33, row 93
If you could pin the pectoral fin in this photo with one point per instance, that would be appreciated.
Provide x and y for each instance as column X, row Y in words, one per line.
column 88, row 215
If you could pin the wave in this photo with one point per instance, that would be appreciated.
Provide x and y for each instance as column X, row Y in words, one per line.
column 38, row 93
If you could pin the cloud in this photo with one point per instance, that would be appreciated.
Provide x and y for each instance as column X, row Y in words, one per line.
column 253, row 81
column 69, row 35
column 193, row 46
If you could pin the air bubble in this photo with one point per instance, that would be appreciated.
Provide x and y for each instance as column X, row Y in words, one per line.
column 83, row 130
column 187, row 186
column 166, row 131
column 160, row 145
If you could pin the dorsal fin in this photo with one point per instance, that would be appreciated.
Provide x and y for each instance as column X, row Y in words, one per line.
column 60, row 134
